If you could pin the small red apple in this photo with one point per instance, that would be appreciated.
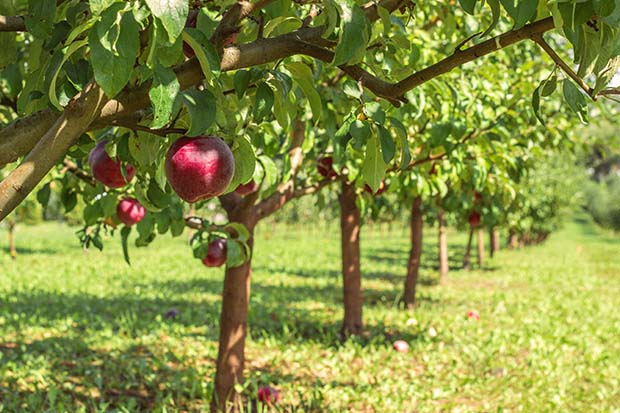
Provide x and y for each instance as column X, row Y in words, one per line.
column 107, row 171
column 324, row 166
column 130, row 211
column 199, row 168
column 192, row 19
column 401, row 346
column 380, row 190
column 248, row 188
column 474, row 219
column 268, row 395
column 473, row 315
column 216, row 253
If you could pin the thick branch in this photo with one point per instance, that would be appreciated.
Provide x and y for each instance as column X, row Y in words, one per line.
column 231, row 19
column 75, row 120
column 12, row 24
column 21, row 136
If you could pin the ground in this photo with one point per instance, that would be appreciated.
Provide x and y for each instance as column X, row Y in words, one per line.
column 82, row 331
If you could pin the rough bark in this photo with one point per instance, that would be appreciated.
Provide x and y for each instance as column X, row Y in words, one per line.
column 494, row 241
column 480, row 247
column 443, row 247
column 233, row 321
column 351, row 272
column 413, row 266
column 12, row 250
column 467, row 258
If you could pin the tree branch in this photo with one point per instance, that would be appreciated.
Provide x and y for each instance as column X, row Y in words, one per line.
column 72, row 167
column 74, row 121
column 565, row 67
column 231, row 19
column 12, row 24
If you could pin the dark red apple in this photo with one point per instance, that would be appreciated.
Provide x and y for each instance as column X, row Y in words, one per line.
column 401, row 346
column 324, row 166
column 380, row 190
column 130, row 211
column 248, row 188
column 192, row 19
column 474, row 219
column 216, row 253
column 107, row 171
column 268, row 395
column 199, row 168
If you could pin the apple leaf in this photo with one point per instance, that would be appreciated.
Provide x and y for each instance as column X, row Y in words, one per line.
column 171, row 13
column 373, row 168
column 163, row 93
column 124, row 237
column 354, row 37
column 202, row 106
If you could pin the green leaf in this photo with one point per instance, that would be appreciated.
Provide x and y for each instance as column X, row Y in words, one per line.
column 43, row 195
column 360, row 131
column 401, row 132
column 575, row 100
column 388, row 148
column 241, row 80
column 264, row 101
column 8, row 49
column 202, row 107
column 40, row 17
column 124, row 237
column 235, row 253
column 98, row 6
column 144, row 148
column 245, row 162
column 205, row 52
column 536, row 105
column 351, row 48
column 91, row 213
column 373, row 168
column 163, row 93
column 242, row 232
column 172, row 14
column 114, row 47
column 302, row 75
column 468, row 5
column 521, row 11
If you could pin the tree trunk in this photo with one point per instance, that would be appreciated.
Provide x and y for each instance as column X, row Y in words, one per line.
column 233, row 327
column 480, row 247
column 513, row 240
column 12, row 249
column 413, row 266
column 467, row 258
column 443, row 247
column 351, row 273
column 495, row 244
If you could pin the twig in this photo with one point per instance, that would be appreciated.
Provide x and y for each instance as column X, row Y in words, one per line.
column 72, row 167
column 12, row 24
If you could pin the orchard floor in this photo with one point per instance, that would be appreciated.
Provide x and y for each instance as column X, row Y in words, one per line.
column 84, row 332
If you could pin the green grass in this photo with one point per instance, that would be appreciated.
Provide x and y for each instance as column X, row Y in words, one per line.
column 81, row 331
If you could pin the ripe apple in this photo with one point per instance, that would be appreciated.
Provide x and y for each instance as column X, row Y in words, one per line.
column 268, row 395
column 192, row 19
column 130, row 211
column 324, row 166
column 248, row 188
column 199, row 168
column 474, row 219
column 216, row 253
column 107, row 171
column 380, row 190
column 473, row 314
column 401, row 346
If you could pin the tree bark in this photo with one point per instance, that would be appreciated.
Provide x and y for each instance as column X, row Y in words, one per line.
column 513, row 239
column 443, row 247
column 480, row 247
column 234, row 325
column 12, row 250
column 351, row 273
column 495, row 243
column 413, row 267
column 467, row 258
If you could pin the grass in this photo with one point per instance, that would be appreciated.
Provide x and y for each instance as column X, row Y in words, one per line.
column 83, row 332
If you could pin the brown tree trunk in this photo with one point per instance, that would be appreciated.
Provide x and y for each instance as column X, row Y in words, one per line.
column 513, row 239
column 12, row 249
column 480, row 247
column 443, row 247
column 413, row 266
column 351, row 273
column 233, row 326
column 495, row 244
column 467, row 258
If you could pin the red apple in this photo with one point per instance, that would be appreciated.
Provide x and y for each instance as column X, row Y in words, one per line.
column 248, row 188
column 130, row 211
column 474, row 219
column 216, row 253
column 380, row 190
column 268, row 395
column 401, row 346
column 192, row 19
column 324, row 166
column 199, row 168
column 473, row 314
column 107, row 171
